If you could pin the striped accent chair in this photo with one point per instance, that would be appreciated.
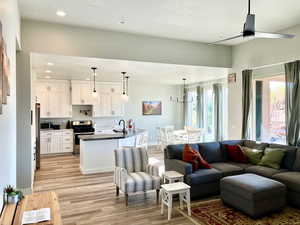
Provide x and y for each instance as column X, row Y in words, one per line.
column 133, row 173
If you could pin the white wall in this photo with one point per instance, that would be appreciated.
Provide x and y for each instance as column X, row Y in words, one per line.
column 139, row 92
column 9, row 16
column 171, row 112
column 253, row 54
column 49, row 38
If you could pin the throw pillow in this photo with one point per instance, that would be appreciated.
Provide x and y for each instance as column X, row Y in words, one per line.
column 192, row 156
column 254, row 155
column 272, row 159
column 236, row 154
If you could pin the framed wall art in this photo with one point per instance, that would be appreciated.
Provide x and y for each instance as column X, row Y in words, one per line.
column 152, row 108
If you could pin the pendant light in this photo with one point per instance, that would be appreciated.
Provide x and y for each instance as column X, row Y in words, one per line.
column 124, row 95
column 94, row 93
column 184, row 99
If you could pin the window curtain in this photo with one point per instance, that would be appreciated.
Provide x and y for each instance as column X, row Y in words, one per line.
column 218, row 111
column 292, row 79
column 200, row 107
column 246, row 101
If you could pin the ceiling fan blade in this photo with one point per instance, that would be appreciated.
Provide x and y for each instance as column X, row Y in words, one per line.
column 227, row 39
column 273, row 35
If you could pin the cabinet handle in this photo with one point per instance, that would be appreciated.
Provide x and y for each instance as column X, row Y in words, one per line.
column 113, row 112
column 82, row 101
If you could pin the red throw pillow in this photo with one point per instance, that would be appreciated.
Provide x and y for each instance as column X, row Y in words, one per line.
column 192, row 156
column 236, row 154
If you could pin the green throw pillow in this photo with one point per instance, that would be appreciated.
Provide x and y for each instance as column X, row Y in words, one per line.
column 272, row 158
column 254, row 155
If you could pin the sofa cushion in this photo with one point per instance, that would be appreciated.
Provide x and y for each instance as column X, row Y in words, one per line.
column 254, row 155
column 211, row 152
column 223, row 148
column 227, row 169
column 241, row 165
column 236, row 154
column 264, row 171
column 175, row 151
column 192, row 156
column 272, row 158
column 203, row 176
column 290, row 179
column 290, row 155
column 297, row 161
column 255, row 145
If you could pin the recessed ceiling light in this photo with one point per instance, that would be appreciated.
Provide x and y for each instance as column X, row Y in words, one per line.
column 47, row 77
column 50, row 64
column 87, row 78
column 61, row 13
column 48, row 71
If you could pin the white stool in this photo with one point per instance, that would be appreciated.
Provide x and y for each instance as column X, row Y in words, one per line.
column 168, row 190
column 173, row 176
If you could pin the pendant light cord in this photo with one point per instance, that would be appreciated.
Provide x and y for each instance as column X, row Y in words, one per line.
column 249, row 5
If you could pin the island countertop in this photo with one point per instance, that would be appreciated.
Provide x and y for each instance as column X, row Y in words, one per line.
column 107, row 135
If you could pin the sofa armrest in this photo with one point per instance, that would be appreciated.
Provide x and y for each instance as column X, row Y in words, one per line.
column 155, row 167
column 179, row 166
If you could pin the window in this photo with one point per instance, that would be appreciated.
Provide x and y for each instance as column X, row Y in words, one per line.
column 208, row 111
column 270, row 109
column 209, row 114
column 192, row 108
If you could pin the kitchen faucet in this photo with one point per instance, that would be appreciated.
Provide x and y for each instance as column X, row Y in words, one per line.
column 124, row 126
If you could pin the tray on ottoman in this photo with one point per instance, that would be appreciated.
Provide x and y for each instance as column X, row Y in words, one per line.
column 253, row 194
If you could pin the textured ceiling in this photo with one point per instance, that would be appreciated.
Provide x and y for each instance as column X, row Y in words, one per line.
column 195, row 20
column 78, row 68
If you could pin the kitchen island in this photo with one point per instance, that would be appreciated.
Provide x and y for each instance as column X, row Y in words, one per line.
column 97, row 150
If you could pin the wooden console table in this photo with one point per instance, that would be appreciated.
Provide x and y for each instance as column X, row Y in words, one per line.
column 12, row 214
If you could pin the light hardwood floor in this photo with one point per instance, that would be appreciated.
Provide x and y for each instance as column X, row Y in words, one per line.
column 91, row 199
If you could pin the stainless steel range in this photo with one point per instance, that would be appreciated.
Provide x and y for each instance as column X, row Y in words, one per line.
column 81, row 128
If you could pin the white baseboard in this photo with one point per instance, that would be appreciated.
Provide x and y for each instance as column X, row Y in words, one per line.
column 96, row 170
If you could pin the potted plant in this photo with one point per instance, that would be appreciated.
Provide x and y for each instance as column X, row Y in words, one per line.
column 12, row 195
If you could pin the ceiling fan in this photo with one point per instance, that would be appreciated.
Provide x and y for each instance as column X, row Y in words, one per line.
column 249, row 30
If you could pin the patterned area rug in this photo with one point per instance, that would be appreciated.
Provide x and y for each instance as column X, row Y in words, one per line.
column 214, row 212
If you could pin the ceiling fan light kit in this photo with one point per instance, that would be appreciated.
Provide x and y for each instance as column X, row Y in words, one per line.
column 250, row 31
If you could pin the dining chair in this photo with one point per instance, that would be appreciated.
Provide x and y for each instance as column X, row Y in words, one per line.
column 141, row 140
column 195, row 135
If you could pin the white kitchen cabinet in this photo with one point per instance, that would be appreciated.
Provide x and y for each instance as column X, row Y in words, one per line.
column 45, row 142
column 82, row 93
column 56, row 141
column 54, row 98
column 109, row 102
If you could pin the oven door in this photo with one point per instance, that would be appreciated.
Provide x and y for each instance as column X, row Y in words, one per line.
column 77, row 141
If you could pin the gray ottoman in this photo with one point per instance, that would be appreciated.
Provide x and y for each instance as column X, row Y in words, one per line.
column 254, row 195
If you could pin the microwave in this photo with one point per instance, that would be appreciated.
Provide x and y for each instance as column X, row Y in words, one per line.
column 46, row 125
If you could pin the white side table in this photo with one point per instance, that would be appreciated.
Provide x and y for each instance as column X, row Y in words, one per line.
column 167, row 192
column 173, row 176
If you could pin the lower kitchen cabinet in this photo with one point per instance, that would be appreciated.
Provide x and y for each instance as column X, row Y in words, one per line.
column 56, row 141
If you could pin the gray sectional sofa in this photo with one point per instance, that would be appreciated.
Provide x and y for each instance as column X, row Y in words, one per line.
column 205, row 182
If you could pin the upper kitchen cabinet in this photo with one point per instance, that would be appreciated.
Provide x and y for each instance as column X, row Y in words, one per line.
column 109, row 102
column 54, row 98
column 82, row 93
